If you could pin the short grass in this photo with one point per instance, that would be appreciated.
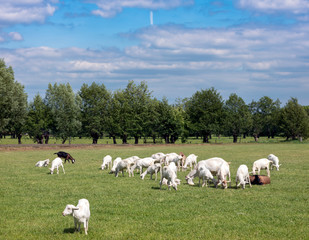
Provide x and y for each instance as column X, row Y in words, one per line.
column 109, row 141
column 32, row 200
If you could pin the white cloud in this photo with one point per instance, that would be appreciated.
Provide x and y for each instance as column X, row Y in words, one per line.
column 293, row 6
column 28, row 11
column 253, row 62
column 109, row 8
column 15, row 36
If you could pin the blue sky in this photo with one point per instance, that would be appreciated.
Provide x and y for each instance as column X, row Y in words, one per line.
column 253, row 48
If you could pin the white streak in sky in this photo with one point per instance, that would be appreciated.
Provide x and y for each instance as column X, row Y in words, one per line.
column 151, row 18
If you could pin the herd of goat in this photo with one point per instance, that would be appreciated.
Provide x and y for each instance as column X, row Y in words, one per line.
column 168, row 165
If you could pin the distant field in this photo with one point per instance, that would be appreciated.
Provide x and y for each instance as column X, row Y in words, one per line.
column 32, row 200
column 106, row 140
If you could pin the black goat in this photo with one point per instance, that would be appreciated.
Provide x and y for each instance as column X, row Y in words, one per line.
column 66, row 156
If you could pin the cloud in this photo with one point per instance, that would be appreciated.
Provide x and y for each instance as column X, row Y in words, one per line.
column 108, row 9
column 25, row 11
column 252, row 62
column 15, row 36
column 273, row 6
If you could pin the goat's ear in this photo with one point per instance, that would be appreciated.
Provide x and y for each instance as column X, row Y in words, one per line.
column 75, row 208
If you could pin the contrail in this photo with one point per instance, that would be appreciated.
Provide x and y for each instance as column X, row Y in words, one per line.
column 151, row 18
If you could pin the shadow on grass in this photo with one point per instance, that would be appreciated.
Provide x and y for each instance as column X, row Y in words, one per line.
column 69, row 230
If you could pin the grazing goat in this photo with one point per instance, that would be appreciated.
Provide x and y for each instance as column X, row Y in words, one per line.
column 169, row 174
column 159, row 157
column 65, row 156
column 80, row 213
column 275, row 161
column 190, row 160
column 43, row 163
column 107, row 162
column 262, row 163
column 142, row 163
column 155, row 168
column 56, row 163
column 223, row 173
column 173, row 157
column 205, row 175
column 124, row 164
column 115, row 163
column 242, row 176
column 212, row 164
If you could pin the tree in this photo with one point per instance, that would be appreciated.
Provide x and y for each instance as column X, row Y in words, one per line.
column 170, row 123
column 13, row 103
column 237, row 116
column 38, row 120
column 205, row 111
column 294, row 120
column 264, row 114
column 65, row 109
column 94, row 109
column 138, row 102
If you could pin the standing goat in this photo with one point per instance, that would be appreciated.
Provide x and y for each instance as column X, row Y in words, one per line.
column 107, row 162
column 275, row 161
column 56, row 163
column 262, row 163
column 242, row 176
column 80, row 213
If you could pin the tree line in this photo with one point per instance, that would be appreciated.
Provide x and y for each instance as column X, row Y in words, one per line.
column 94, row 112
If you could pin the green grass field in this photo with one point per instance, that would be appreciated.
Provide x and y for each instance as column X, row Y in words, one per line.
column 32, row 200
column 106, row 140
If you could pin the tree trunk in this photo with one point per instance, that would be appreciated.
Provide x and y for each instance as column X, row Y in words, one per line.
column 154, row 139
column 19, row 138
column 167, row 139
column 255, row 137
column 205, row 139
column 124, row 139
column 235, row 138
column 136, row 140
column 114, row 140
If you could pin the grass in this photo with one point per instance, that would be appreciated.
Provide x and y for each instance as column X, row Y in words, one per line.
column 107, row 140
column 129, row 208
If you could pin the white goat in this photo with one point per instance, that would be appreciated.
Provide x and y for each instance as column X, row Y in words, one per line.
column 262, row 163
column 275, row 161
column 169, row 174
column 190, row 160
column 173, row 157
column 107, row 162
column 159, row 157
column 56, row 163
column 212, row 164
column 205, row 175
column 124, row 164
column 115, row 163
column 242, row 176
column 223, row 173
column 43, row 163
column 155, row 168
column 80, row 213
column 142, row 163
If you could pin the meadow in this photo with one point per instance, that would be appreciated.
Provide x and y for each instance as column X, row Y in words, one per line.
column 32, row 199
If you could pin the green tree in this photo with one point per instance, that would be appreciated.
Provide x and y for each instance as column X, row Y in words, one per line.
column 13, row 103
column 169, row 121
column 94, row 109
column 294, row 120
column 38, row 120
column 205, row 111
column 237, row 116
column 137, row 98
column 265, row 117
column 65, row 109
